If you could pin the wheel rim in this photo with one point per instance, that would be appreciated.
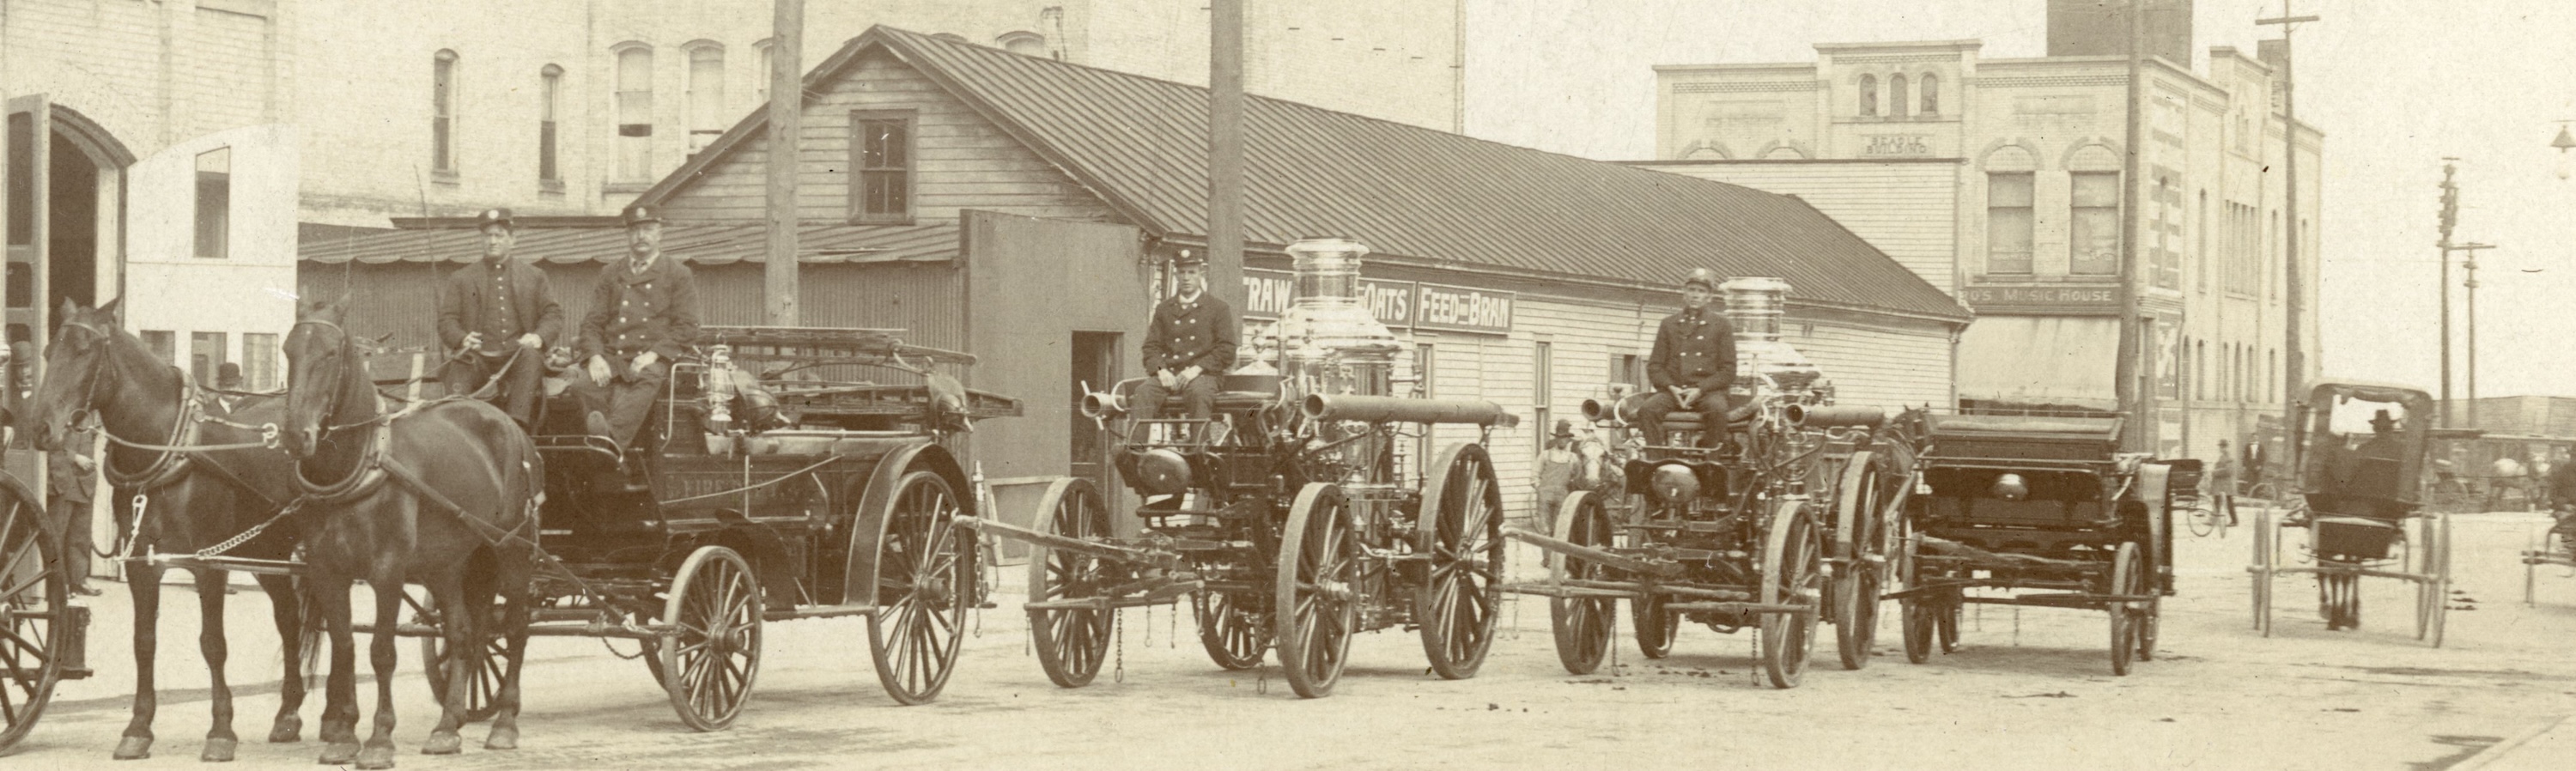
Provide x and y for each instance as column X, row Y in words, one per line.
column 1316, row 597
column 713, row 654
column 1235, row 637
column 1917, row 622
column 1582, row 624
column 1791, row 577
column 1070, row 642
column 35, row 591
column 1466, row 544
column 482, row 681
column 924, row 573
column 1862, row 502
column 2124, row 580
column 1656, row 628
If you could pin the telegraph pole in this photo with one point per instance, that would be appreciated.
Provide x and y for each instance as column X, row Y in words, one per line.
column 1225, row 151
column 786, row 109
column 2450, row 219
column 2294, row 359
column 2126, row 388
column 2470, row 265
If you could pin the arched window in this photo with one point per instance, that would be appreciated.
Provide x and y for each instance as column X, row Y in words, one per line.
column 768, row 65
column 549, row 111
column 634, row 112
column 1896, row 96
column 1931, row 88
column 442, row 116
column 706, row 93
column 1868, row 95
column 1022, row 42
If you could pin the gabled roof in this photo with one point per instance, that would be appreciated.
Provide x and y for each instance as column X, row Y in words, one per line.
column 1414, row 195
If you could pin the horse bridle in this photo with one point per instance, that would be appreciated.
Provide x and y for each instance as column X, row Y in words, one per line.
column 332, row 405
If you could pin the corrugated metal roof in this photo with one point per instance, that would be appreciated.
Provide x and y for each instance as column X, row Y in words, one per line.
column 695, row 243
column 1412, row 194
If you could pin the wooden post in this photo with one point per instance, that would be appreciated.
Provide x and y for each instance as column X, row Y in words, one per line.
column 1225, row 152
column 2126, row 386
column 2294, row 357
column 786, row 108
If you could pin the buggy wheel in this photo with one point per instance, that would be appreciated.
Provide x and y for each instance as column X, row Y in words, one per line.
column 1455, row 607
column 1070, row 642
column 2262, row 569
column 2439, row 576
column 1654, row 626
column 1945, row 622
column 1582, row 624
column 651, row 653
column 711, row 659
column 1860, row 516
column 1915, row 619
column 37, row 621
column 483, row 673
column 1318, row 596
column 1792, row 562
column 1235, row 637
column 925, row 584
column 2202, row 519
column 2128, row 576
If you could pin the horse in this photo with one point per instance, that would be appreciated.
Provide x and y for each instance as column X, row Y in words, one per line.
column 443, row 493
column 190, row 500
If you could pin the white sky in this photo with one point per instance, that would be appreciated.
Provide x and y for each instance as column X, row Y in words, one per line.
column 2394, row 84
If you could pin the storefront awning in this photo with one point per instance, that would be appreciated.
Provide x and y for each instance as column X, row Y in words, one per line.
column 2054, row 360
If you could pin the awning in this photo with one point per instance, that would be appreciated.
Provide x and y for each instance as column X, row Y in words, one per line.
column 2058, row 360
column 694, row 243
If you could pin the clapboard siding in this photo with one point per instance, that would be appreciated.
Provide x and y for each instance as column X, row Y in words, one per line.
column 960, row 160
column 1908, row 210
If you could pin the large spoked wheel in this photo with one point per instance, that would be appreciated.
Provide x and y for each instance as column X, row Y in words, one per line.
column 1792, row 574
column 2261, row 571
column 35, row 613
column 1860, row 515
column 711, row 658
column 1582, row 624
column 2128, row 623
column 1318, row 598
column 1655, row 626
column 1235, row 637
column 2432, row 590
column 925, row 576
column 1071, row 641
column 483, row 673
column 1465, row 539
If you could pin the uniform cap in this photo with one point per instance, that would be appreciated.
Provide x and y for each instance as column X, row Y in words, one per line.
column 1703, row 277
column 641, row 213
column 1189, row 258
column 491, row 217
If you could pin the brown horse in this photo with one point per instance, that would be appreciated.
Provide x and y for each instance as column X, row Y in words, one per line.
column 194, row 500
column 443, row 494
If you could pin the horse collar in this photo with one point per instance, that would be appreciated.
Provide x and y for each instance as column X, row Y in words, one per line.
column 369, row 474
column 169, row 463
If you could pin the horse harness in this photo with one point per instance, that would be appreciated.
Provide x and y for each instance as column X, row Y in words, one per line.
column 376, row 465
column 179, row 455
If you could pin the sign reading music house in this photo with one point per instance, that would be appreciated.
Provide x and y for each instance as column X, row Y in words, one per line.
column 1397, row 304
column 2090, row 300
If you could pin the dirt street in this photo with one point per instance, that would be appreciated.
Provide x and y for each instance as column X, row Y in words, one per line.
column 2027, row 690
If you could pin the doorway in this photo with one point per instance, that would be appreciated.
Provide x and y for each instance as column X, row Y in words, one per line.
column 1096, row 365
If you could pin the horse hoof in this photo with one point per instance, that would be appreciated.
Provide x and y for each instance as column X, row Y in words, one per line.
column 289, row 730
column 219, row 750
column 502, row 739
column 134, row 748
column 443, row 744
column 338, row 754
column 377, row 756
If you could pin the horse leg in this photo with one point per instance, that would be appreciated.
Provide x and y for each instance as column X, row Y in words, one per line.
column 340, row 691
column 512, row 579
column 220, row 740
column 286, row 606
column 378, row 752
column 459, row 620
column 145, row 582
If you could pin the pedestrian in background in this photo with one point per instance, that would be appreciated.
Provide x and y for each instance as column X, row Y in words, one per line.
column 70, row 473
column 1555, row 474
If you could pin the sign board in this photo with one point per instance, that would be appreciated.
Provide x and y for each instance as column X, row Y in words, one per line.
column 1268, row 292
column 1460, row 309
column 1900, row 145
column 2086, row 300
column 1397, row 304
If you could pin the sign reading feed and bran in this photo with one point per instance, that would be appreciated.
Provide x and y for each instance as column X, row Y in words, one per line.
column 1397, row 304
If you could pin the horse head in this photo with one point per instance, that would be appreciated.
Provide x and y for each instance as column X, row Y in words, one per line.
column 1592, row 463
column 77, row 365
column 320, row 358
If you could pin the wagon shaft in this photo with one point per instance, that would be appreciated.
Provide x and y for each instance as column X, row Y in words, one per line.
column 1596, row 556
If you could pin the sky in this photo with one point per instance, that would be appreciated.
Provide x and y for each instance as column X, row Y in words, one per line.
column 2396, row 85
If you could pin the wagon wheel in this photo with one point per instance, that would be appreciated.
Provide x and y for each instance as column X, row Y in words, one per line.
column 712, row 658
column 1792, row 574
column 483, row 679
column 35, row 589
column 1945, row 623
column 1235, row 637
column 2262, row 569
column 1655, row 626
column 1455, row 607
column 1859, row 517
column 1582, row 624
column 2127, row 577
column 924, row 576
column 1071, row 642
column 2432, row 589
column 1317, row 598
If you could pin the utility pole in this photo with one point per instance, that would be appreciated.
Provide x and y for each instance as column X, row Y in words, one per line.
column 2126, row 388
column 1225, row 151
column 2294, row 359
column 2450, row 218
column 786, row 110
column 2470, row 265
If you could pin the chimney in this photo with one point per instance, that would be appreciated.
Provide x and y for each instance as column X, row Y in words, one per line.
column 2276, row 55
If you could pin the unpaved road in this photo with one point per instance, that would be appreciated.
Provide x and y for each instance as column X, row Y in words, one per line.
column 2031, row 690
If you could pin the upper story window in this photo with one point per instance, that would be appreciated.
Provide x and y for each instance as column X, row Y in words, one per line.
column 549, row 117
column 2094, row 219
column 1869, row 96
column 442, row 118
column 1023, row 42
column 881, row 167
column 2010, row 224
column 215, row 203
column 706, row 93
column 1896, row 96
column 635, row 113
column 1931, row 88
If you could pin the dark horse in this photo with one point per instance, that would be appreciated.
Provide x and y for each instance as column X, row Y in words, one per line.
column 443, row 494
column 192, row 500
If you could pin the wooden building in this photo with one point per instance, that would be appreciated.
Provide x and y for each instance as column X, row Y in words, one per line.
column 1022, row 208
